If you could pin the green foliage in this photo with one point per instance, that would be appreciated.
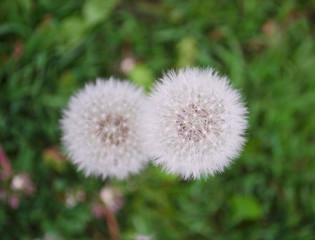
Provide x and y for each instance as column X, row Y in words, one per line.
column 142, row 76
column 245, row 208
column 49, row 49
column 96, row 11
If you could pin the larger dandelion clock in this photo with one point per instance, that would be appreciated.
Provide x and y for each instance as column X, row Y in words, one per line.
column 194, row 122
column 101, row 129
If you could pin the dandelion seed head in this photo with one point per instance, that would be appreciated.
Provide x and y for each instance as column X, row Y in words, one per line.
column 101, row 130
column 195, row 122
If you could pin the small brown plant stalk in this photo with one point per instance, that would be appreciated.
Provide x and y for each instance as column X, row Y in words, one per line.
column 110, row 201
column 6, row 166
column 112, row 224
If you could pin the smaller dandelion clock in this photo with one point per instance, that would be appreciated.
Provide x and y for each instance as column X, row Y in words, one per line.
column 101, row 131
column 194, row 122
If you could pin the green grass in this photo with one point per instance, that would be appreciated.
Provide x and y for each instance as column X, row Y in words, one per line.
column 49, row 49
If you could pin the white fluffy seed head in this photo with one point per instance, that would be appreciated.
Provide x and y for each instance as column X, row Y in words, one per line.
column 194, row 122
column 101, row 130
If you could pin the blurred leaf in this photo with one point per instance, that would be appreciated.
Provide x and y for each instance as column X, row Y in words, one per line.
column 16, row 28
column 96, row 11
column 186, row 52
column 74, row 222
column 55, row 159
column 245, row 208
column 71, row 32
column 25, row 4
column 67, row 84
column 142, row 76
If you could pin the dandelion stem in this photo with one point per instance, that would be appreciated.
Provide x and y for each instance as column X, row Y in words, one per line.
column 112, row 224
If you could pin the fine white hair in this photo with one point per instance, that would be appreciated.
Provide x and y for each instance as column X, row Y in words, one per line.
column 101, row 130
column 194, row 122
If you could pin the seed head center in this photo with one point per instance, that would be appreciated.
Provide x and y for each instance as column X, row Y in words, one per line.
column 193, row 123
column 113, row 129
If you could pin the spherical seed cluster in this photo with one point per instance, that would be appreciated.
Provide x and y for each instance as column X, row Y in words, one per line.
column 101, row 129
column 195, row 122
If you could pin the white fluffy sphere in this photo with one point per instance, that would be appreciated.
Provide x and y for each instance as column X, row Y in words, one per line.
column 101, row 129
column 194, row 122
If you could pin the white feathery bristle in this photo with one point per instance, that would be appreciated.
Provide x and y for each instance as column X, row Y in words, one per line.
column 101, row 130
column 194, row 122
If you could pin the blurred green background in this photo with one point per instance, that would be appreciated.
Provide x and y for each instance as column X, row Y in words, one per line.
column 49, row 49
